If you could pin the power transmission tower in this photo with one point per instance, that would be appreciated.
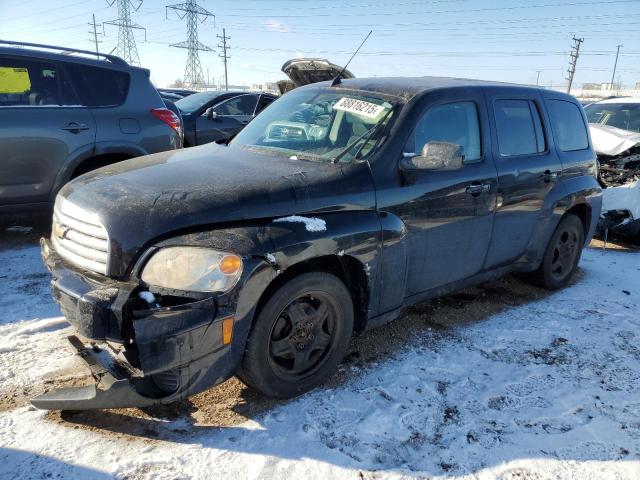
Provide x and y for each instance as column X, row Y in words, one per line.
column 615, row 65
column 575, row 53
column 94, row 33
column 126, row 46
column 191, row 10
column 224, row 55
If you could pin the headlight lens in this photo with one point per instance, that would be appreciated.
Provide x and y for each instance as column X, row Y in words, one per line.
column 193, row 269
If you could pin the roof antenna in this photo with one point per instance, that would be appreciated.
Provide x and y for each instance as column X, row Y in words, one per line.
column 338, row 80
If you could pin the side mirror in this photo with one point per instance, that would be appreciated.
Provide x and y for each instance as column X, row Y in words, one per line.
column 211, row 114
column 435, row 156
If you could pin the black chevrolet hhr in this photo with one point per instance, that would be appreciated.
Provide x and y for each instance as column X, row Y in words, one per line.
column 338, row 206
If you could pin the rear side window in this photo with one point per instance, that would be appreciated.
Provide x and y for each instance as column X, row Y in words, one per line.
column 31, row 83
column 568, row 126
column 241, row 105
column 99, row 87
column 452, row 122
column 519, row 128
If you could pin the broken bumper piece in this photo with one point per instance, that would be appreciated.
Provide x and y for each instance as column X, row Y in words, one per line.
column 113, row 389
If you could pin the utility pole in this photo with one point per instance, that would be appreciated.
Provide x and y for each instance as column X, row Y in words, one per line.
column 575, row 53
column 224, row 56
column 126, row 46
column 538, row 77
column 615, row 65
column 94, row 33
column 191, row 10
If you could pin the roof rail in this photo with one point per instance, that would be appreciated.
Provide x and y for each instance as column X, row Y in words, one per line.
column 112, row 58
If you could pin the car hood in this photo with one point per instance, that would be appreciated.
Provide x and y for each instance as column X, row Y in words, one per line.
column 611, row 140
column 303, row 71
column 142, row 199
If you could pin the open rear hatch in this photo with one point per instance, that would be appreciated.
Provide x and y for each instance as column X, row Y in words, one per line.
column 303, row 71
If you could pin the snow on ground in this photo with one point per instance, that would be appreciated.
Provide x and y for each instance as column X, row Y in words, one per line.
column 550, row 389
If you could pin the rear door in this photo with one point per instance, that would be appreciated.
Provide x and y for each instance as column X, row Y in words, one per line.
column 527, row 171
column 43, row 127
column 230, row 117
column 449, row 213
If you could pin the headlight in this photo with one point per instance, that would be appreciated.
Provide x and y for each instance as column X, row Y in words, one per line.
column 193, row 269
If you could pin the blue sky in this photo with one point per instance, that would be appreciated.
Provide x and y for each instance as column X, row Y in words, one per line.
column 499, row 40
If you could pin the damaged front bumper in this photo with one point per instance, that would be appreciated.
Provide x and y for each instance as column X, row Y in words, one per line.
column 139, row 353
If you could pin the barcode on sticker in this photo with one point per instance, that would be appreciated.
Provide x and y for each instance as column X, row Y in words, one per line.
column 359, row 107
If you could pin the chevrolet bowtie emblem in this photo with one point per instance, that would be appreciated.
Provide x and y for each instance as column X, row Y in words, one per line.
column 59, row 231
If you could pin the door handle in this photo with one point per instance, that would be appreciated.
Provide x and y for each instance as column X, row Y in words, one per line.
column 548, row 175
column 75, row 127
column 478, row 188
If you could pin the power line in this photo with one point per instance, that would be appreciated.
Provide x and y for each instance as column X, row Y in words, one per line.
column 224, row 55
column 575, row 53
column 191, row 10
column 126, row 46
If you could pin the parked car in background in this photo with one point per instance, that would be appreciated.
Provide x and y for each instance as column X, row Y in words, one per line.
column 615, row 132
column 337, row 207
column 216, row 116
column 180, row 92
column 65, row 112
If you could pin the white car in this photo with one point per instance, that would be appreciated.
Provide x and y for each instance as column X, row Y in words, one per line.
column 615, row 133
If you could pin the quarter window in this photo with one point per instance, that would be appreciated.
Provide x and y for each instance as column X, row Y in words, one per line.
column 31, row 83
column 99, row 87
column 568, row 126
column 452, row 122
column 519, row 128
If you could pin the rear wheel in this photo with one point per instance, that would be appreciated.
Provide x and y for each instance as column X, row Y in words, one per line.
column 299, row 337
column 563, row 253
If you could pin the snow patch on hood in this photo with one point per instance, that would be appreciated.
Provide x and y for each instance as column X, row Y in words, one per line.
column 609, row 140
column 311, row 224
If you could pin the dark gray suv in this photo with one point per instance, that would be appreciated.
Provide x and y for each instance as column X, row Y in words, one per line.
column 64, row 112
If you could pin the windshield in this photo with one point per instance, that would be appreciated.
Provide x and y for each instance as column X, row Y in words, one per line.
column 621, row 115
column 319, row 124
column 196, row 101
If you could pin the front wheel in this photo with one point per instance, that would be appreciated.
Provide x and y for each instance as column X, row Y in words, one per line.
column 299, row 337
column 563, row 253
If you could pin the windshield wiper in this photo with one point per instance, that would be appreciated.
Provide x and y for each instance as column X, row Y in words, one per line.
column 365, row 136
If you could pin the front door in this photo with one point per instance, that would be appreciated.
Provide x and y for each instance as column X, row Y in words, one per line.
column 527, row 171
column 449, row 213
column 230, row 117
column 42, row 126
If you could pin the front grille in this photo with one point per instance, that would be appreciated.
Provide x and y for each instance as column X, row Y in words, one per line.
column 79, row 237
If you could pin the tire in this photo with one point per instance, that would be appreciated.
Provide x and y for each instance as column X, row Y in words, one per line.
column 562, row 255
column 299, row 337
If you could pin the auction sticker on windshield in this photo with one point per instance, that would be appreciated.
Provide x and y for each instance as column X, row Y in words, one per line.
column 359, row 107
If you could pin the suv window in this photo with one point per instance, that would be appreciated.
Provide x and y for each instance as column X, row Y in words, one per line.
column 33, row 83
column 568, row 126
column 519, row 128
column 99, row 87
column 452, row 122
column 241, row 105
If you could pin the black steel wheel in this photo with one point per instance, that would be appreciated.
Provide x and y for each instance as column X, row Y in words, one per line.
column 563, row 253
column 299, row 337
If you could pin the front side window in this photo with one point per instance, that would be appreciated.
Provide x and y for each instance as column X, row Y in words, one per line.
column 241, row 105
column 320, row 124
column 519, row 128
column 620, row 115
column 99, row 87
column 30, row 83
column 568, row 126
column 455, row 123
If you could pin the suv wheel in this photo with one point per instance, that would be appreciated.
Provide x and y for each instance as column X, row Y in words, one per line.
column 563, row 253
column 299, row 337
